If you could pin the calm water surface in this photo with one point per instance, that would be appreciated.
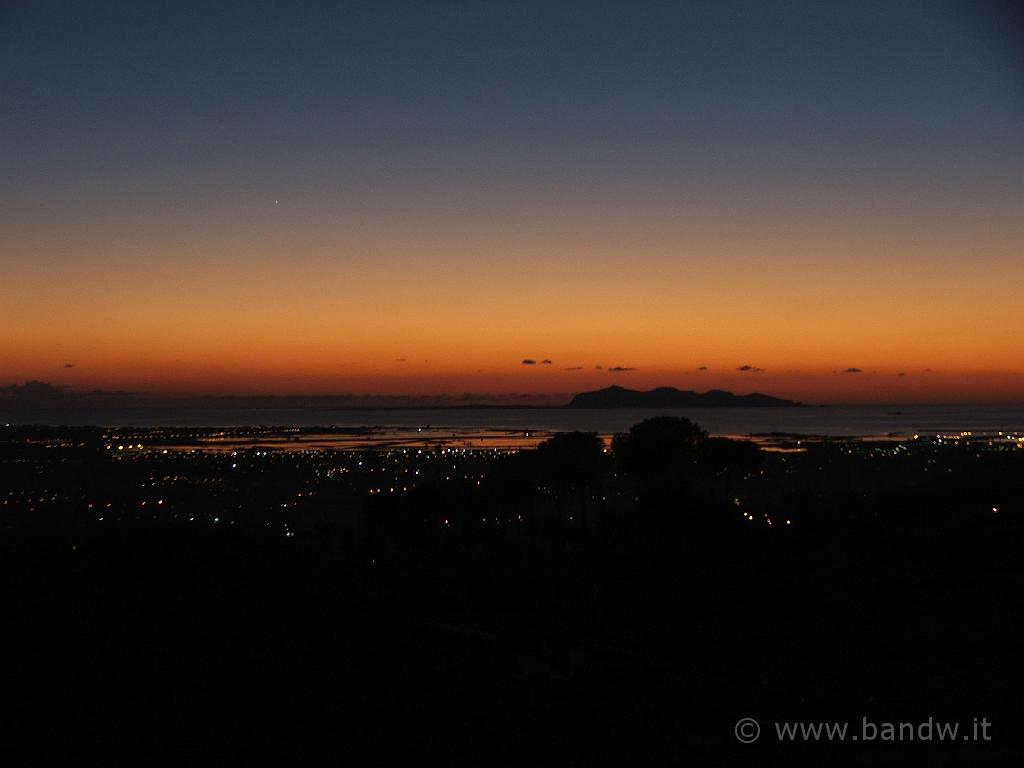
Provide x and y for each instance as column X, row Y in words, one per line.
column 833, row 421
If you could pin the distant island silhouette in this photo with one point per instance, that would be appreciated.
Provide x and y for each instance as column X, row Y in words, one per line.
column 45, row 397
column 670, row 397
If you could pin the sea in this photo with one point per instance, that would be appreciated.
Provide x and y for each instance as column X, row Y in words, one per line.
column 841, row 421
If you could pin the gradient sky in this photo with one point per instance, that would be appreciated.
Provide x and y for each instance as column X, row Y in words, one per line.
column 413, row 197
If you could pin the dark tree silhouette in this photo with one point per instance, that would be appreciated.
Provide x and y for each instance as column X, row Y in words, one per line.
column 572, row 462
column 514, row 480
column 721, row 457
column 660, row 455
column 659, row 447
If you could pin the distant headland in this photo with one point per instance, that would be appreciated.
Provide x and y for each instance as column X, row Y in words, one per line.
column 670, row 397
column 39, row 396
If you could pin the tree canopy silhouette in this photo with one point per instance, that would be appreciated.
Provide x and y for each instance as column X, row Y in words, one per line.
column 661, row 447
column 725, row 458
column 720, row 454
column 572, row 461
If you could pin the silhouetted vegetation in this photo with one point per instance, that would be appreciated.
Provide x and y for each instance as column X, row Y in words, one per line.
column 580, row 602
column 572, row 463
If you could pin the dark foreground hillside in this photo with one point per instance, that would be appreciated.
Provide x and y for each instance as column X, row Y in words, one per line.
column 638, row 637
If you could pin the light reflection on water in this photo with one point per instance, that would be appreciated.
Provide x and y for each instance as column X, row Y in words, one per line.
column 373, row 439
column 512, row 428
column 833, row 421
column 386, row 441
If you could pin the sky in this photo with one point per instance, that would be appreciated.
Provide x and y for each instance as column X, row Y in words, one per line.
column 821, row 201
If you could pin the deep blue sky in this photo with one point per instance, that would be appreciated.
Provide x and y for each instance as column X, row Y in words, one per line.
column 107, row 90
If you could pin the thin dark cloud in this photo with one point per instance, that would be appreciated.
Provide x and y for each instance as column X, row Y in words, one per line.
column 749, row 369
column 528, row 361
column 401, row 359
column 545, row 362
column 44, row 394
column 69, row 365
column 599, row 367
column 620, row 369
column 574, row 368
column 901, row 374
column 853, row 370
column 702, row 368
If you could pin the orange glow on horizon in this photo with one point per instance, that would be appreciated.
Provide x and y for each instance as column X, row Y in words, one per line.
column 298, row 306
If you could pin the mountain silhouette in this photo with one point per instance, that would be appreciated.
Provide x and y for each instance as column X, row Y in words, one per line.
column 670, row 397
